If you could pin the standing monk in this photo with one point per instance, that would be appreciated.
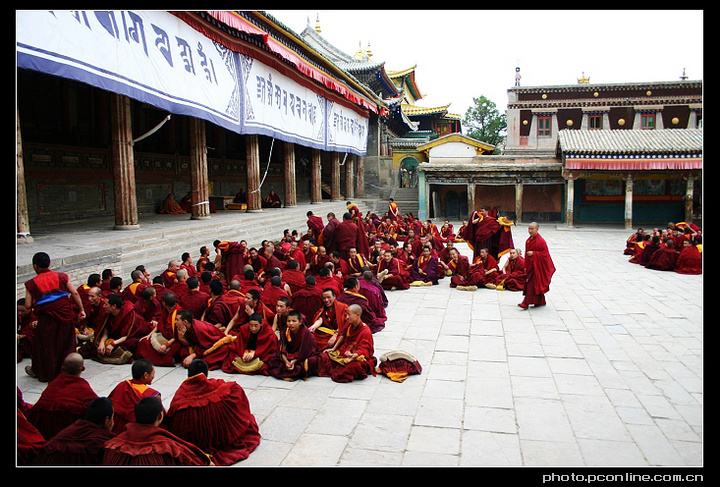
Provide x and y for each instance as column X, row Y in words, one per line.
column 393, row 211
column 481, row 231
column 51, row 295
column 315, row 227
column 539, row 269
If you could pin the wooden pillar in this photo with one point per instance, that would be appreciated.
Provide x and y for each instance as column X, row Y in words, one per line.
column 289, row 171
column 23, row 220
column 570, row 203
column 198, row 171
column 335, row 177
column 518, row 202
column 350, row 177
column 254, row 198
column 689, row 197
column 471, row 198
column 628, row 201
column 123, row 163
column 360, row 177
column 315, row 178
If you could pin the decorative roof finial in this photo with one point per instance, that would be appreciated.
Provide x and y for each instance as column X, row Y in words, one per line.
column 517, row 76
column 584, row 80
column 684, row 76
column 317, row 24
column 369, row 51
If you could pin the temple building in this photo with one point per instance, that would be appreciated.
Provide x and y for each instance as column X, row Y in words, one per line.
column 209, row 107
column 628, row 153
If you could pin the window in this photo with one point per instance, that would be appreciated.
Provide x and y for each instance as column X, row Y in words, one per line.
column 647, row 121
column 595, row 121
column 544, row 126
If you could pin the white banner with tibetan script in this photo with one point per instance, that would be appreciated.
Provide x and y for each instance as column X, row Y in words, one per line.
column 347, row 130
column 150, row 56
column 276, row 106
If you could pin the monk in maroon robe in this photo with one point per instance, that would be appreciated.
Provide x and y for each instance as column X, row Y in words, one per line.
column 148, row 306
column 374, row 295
column 308, row 300
column 425, row 268
column 127, row 393
column 459, row 266
column 353, row 355
column 52, row 296
column 315, row 226
column 328, row 239
column 347, row 235
column 649, row 249
column 481, row 230
column 232, row 258
column 255, row 340
column 690, row 259
column 202, row 340
column 64, row 400
column 145, row 443
column 352, row 295
column 195, row 300
column 539, row 269
column 330, row 320
column 293, row 277
column 297, row 353
column 637, row 248
column 513, row 273
column 214, row 415
column 81, row 443
column 162, row 352
column 394, row 274
column 253, row 304
column 665, row 258
column 218, row 311
column 123, row 329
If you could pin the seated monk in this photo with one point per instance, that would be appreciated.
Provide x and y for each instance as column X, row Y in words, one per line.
column 161, row 345
column 218, row 310
column 272, row 200
column 425, row 271
column 392, row 273
column 170, row 207
column 649, row 250
column 352, row 356
column 214, row 415
column 308, row 300
column 665, row 258
column 459, row 266
column 329, row 320
column 252, row 305
column 492, row 272
column 690, row 259
column 513, row 273
column 255, row 344
column 82, row 442
column 637, row 248
column 127, row 393
column 203, row 340
column 117, row 339
column 146, row 443
column 297, row 354
column 195, row 299
column 64, row 400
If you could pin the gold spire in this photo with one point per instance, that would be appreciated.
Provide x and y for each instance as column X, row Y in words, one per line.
column 317, row 24
column 583, row 80
column 369, row 51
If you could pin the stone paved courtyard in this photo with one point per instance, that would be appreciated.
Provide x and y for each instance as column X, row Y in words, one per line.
column 609, row 373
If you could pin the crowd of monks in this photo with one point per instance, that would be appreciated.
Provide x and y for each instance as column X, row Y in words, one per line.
column 676, row 248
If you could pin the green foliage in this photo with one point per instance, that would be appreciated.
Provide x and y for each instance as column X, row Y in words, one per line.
column 484, row 122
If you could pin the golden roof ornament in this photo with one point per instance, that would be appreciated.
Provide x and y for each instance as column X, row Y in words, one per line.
column 317, row 24
column 583, row 80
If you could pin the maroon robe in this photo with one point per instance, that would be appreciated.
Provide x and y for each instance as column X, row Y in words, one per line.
column 375, row 303
column 664, row 259
column 480, row 235
column 347, row 235
column 315, row 227
column 399, row 276
column 195, row 301
column 299, row 346
column 218, row 312
column 270, row 295
column 513, row 279
column 56, row 320
column 425, row 269
column 146, row 445
column 63, row 402
column 689, row 261
column 203, row 336
column 308, row 300
column 328, row 237
column 79, row 444
column 233, row 259
column 293, row 278
column 460, row 271
column 263, row 344
column 368, row 315
column 359, row 340
column 539, row 269
column 214, row 415
column 124, row 397
column 165, row 326
column 333, row 318
column 126, row 324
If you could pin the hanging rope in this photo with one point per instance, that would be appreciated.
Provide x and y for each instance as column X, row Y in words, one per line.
column 148, row 134
column 272, row 143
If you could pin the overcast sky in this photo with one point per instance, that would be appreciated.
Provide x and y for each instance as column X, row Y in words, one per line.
column 461, row 54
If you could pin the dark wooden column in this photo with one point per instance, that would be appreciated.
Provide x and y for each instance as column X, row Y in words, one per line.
column 23, row 220
column 360, row 177
column 335, row 177
column 198, row 170
column 254, row 199
column 315, row 178
column 350, row 177
column 289, row 179
column 123, row 163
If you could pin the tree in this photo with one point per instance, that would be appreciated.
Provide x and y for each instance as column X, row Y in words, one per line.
column 483, row 122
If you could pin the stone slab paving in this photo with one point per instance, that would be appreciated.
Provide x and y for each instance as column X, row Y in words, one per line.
column 609, row 373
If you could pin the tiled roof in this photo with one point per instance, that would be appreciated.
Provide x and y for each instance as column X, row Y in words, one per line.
column 573, row 141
